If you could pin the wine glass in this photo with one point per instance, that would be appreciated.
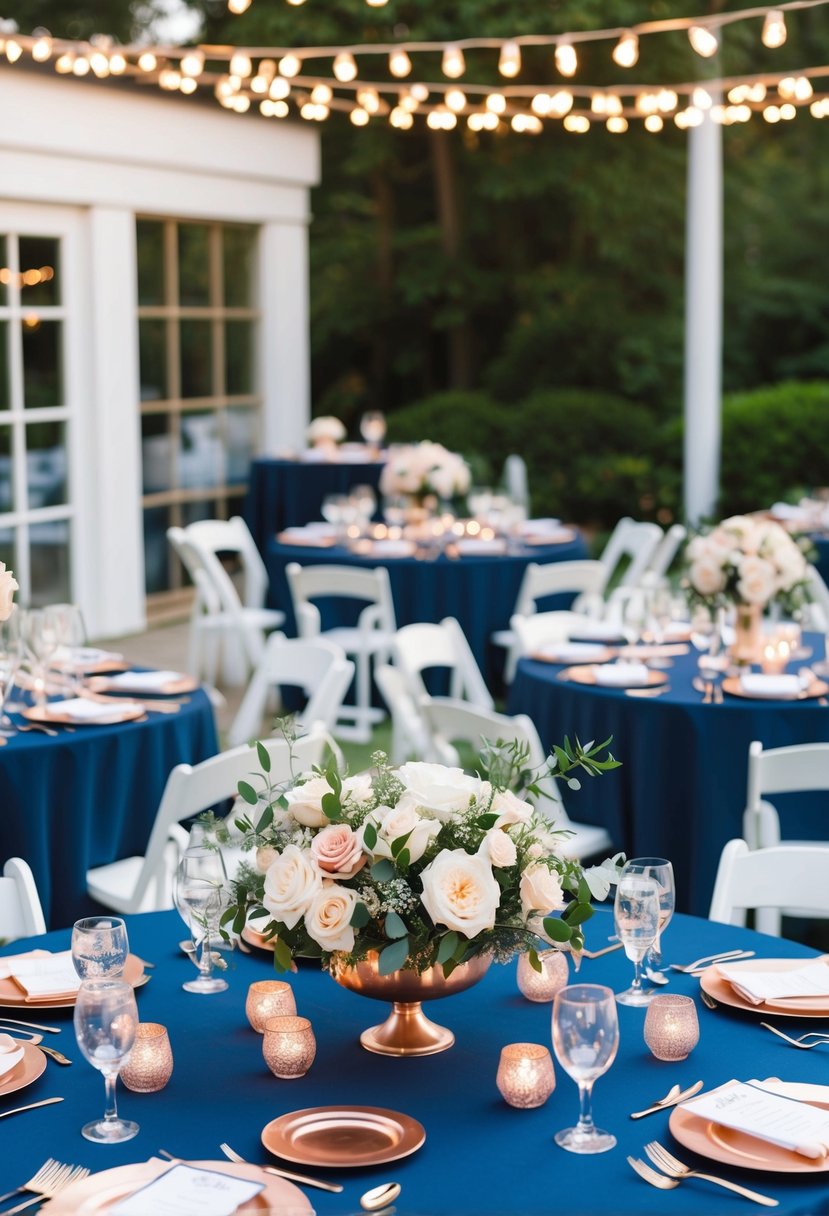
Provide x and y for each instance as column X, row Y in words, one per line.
column 373, row 428
column 714, row 662
column 10, row 656
column 106, row 1018
column 99, row 947
column 200, row 895
column 636, row 916
column 41, row 640
column 365, row 503
column 585, row 1039
column 70, row 632
column 334, row 509
column 662, row 872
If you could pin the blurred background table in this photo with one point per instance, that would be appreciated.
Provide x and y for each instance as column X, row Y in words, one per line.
column 76, row 800
column 681, row 790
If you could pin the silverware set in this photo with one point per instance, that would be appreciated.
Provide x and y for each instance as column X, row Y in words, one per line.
column 821, row 1038
column 51, row 1178
column 16, row 1030
column 709, row 960
column 674, row 1171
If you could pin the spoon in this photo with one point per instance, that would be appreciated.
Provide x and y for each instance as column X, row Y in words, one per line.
column 381, row 1196
column 656, row 977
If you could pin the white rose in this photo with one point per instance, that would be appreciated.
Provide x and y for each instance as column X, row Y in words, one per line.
column 326, row 427
column 499, row 848
column 358, row 788
column 757, row 581
column 291, row 883
column 266, row 855
column 510, row 809
column 328, row 918
column 442, row 791
column 402, row 820
column 707, row 576
column 305, row 802
column 540, row 890
column 460, row 892
column 8, row 586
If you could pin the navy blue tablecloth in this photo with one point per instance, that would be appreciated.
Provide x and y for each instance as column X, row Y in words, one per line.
column 481, row 1157
column 680, row 792
column 479, row 591
column 289, row 493
column 86, row 798
column 821, row 544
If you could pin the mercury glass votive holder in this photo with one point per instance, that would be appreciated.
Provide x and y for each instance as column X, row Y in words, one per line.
column 150, row 1063
column 288, row 1046
column 525, row 1075
column 671, row 1026
column 269, row 999
column 544, row 984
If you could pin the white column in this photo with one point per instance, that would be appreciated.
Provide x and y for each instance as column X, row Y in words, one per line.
column 703, row 319
column 285, row 355
column 109, row 489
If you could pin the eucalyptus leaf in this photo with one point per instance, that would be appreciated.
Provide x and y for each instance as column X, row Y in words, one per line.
column 394, row 926
column 448, row 946
column 393, row 957
column 247, row 792
column 282, row 955
column 264, row 757
column 382, row 870
column 535, row 961
column 370, row 835
column 557, row 930
column 360, row 916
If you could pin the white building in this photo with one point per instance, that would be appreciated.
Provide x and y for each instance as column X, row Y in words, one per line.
column 153, row 328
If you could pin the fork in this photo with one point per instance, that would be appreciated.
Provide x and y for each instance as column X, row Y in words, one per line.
column 821, row 1038
column 678, row 1172
column 271, row 1169
column 48, row 1190
column 722, row 957
column 49, row 1172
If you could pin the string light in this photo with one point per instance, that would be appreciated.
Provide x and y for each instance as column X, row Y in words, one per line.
column 453, row 63
column 289, row 65
column 399, row 63
column 626, row 50
column 237, row 7
column 147, row 61
column 566, row 58
column 455, row 99
column 359, row 116
column 496, row 103
column 241, row 65
column 509, row 61
column 774, row 29
column 704, row 40
column 616, row 124
column 345, row 66
column 42, row 48
column 653, row 123
column 577, row 124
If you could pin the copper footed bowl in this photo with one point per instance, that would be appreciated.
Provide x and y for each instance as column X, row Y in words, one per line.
column 407, row 1031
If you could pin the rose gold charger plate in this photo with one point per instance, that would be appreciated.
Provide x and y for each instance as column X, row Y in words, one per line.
column 343, row 1136
column 122, row 711
column 806, row 1007
column 817, row 688
column 586, row 675
column 603, row 654
column 24, row 1072
column 171, row 689
column 97, row 1194
column 731, row 1147
column 11, row 997
column 540, row 540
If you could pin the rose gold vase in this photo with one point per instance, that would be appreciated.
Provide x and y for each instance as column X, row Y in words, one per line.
column 748, row 634
column 407, row 1031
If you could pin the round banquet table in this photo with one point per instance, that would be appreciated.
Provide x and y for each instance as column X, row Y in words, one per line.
column 821, row 544
column 289, row 493
column 89, row 797
column 480, row 1157
column 480, row 591
column 680, row 792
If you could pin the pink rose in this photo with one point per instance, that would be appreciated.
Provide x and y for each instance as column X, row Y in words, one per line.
column 336, row 849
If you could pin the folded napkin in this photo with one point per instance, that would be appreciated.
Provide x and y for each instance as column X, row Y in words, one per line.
column 42, row 976
column 572, row 652
column 746, row 1106
column 144, row 681
column 770, row 687
column 757, row 986
column 588, row 630
column 79, row 709
column 392, row 548
column 470, row 547
column 621, row 675
column 307, row 536
column 538, row 527
column 11, row 1053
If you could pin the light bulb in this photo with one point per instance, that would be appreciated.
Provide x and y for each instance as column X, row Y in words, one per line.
column 345, row 66
column 64, row 62
column 771, row 114
column 757, row 92
column 99, row 63
column 400, row 118
column 321, row 94
column 453, row 63
column 455, row 100
column 737, row 94
column 240, row 65
column 509, row 61
column 117, row 63
column 774, row 29
column 490, row 121
column 788, row 111
column 14, row 50
column 613, row 104
column 475, row 121
column 188, row 85
column 399, row 63
column 241, row 103
column 577, row 124
column 803, row 88
column 561, row 103
column 369, row 99
column 626, row 50
column 694, row 116
column 376, row 3
column 42, row 49
column 646, row 103
column 653, row 123
column 280, row 89
column 704, row 40
column 617, row 124
column 419, row 92
column 541, row 104
column 406, row 101
column 147, row 61
column 496, row 103
column 701, row 98
column 238, row 6
column 566, row 59
column 598, row 103
column 359, row 116
column 80, row 67
column 289, row 65
column 192, row 64
column 666, row 100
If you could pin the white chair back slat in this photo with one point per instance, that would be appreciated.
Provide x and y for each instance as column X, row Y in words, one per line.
column 422, row 647
column 21, row 913
column 634, row 540
column 769, row 879
column 410, row 737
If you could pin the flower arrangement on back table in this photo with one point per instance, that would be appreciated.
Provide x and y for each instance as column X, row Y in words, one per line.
column 422, row 469
column 421, row 865
column 745, row 561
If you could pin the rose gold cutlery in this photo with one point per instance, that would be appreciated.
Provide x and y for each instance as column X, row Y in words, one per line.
column 677, row 1172
column 49, row 1179
column 18, row 1110
column 821, row 1038
column 280, row 1173
column 673, row 1097
column 29, row 1025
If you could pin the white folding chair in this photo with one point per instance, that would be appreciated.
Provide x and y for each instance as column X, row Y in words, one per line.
column 667, row 550
column 818, row 600
column 369, row 640
column 516, row 482
column 636, row 541
column 220, row 617
column 409, row 736
column 423, row 647
column 319, row 668
column 21, row 914
column 584, row 578
column 144, row 884
column 769, row 880
column 451, row 721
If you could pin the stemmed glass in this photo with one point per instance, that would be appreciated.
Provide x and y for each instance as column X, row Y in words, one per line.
column 200, row 895
column 585, row 1039
column 714, row 662
column 99, row 947
column 10, row 656
column 106, row 1018
column 70, row 631
column 335, row 508
column 636, row 916
column 41, row 639
column 662, row 872
column 373, row 429
column 364, row 501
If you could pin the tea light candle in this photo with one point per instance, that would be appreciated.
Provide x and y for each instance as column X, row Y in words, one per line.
column 525, row 1075
column 289, row 1046
column 544, row 984
column 268, row 999
column 671, row 1026
column 776, row 654
column 150, row 1063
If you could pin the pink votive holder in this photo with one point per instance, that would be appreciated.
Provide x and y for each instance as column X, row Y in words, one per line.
column 544, row 984
column 671, row 1026
column 269, row 999
column 288, row 1046
column 525, row 1077
column 150, row 1063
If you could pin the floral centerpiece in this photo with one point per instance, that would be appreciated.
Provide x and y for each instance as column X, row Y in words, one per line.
column 422, row 470
column 325, row 431
column 749, row 564
column 8, row 586
column 422, row 865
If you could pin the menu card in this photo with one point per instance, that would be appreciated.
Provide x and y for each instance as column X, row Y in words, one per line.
column 757, row 986
column 746, row 1107
column 187, row 1191
column 42, row 975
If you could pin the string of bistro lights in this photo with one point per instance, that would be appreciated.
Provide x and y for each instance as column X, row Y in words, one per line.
column 271, row 78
